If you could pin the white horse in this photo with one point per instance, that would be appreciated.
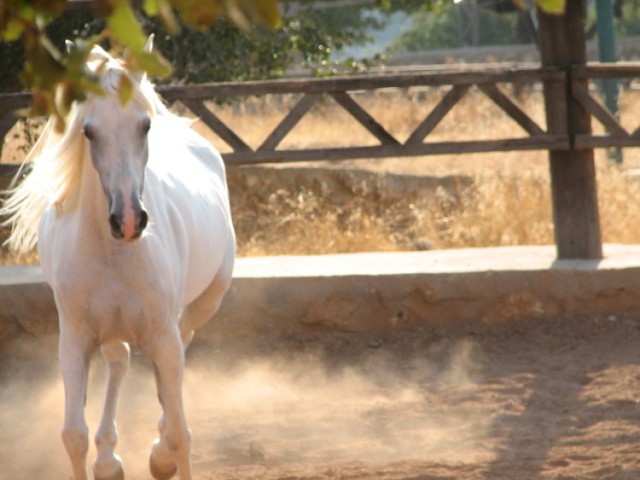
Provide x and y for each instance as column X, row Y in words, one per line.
column 129, row 208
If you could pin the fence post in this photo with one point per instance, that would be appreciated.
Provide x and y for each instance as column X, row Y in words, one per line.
column 573, row 177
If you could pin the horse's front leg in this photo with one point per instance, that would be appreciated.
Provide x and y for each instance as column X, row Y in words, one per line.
column 172, row 450
column 75, row 350
column 108, row 465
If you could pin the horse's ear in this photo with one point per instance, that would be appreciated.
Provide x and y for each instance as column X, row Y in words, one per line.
column 149, row 45
column 70, row 46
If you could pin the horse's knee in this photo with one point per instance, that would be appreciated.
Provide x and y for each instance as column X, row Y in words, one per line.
column 107, row 438
column 76, row 441
column 116, row 355
column 187, row 337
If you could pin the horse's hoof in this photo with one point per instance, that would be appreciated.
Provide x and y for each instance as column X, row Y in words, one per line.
column 162, row 472
column 117, row 475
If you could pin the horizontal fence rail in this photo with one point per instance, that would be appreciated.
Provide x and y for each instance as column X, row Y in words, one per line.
column 311, row 91
column 340, row 90
column 456, row 82
column 616, row 135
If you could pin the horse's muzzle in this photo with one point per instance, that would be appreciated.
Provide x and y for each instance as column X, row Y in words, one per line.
column 125, row 229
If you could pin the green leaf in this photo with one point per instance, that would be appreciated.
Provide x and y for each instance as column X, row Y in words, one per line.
column 554, row 7
column 44, row 68
column 65, row 97
column 265, row 11
column 91, row 84
column 168, row 18
column 125, row 89
column 27, row 12
column 151, row 7
column 199, row 14
column 237, row 15
column 13, row 30
column 125, row 27
column 151, row 62
column 41, row 103
column 245, row 12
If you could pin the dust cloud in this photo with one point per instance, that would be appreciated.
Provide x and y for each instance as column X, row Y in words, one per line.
column 266, row 411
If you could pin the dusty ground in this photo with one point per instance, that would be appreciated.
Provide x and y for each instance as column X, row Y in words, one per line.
column 530, row 399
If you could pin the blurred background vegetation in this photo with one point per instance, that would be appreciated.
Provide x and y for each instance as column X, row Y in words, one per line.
column 307, row 36
column 317, row 38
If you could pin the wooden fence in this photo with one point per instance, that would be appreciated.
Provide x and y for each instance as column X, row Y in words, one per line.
column 456, row 82
column 571, row 85
column 310, row 91
column 339, row 89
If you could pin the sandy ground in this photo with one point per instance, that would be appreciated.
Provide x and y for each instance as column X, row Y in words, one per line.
column 528, row 399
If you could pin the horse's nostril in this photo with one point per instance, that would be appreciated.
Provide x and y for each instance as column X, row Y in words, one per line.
column 144, row 219
column 114, row 223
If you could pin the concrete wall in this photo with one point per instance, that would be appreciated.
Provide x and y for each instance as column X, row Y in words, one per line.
column 293, row 295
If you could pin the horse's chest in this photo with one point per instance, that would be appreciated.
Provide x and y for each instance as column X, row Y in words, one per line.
column 116, row 306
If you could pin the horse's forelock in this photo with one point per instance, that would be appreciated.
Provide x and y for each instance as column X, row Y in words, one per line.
column 111, row 69
column 142, row 91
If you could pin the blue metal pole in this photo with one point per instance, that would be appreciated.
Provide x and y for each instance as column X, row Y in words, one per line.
column 607, row 53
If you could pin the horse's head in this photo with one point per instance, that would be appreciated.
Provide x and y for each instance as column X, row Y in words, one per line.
column 117, row 136
column 119, row 150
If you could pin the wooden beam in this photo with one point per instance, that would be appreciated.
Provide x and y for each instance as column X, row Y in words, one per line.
column 288, row 122
column 573, row 178
column 436, row 115
column 363, row 117
column 361, row 82
column 541, row 142
column 584, row 141
column 337, row 84
column 14, row 101
column 218, row 126
column 606, row 70
column 581, row 93
column 545, row 142
column 511, row 109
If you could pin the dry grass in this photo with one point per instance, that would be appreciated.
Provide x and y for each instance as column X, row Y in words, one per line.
column 508, row 202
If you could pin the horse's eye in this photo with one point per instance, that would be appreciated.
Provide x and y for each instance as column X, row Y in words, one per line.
column 146, row 125
column 88, row 131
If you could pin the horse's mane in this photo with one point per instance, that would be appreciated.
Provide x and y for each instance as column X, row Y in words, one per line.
column 56, row 159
